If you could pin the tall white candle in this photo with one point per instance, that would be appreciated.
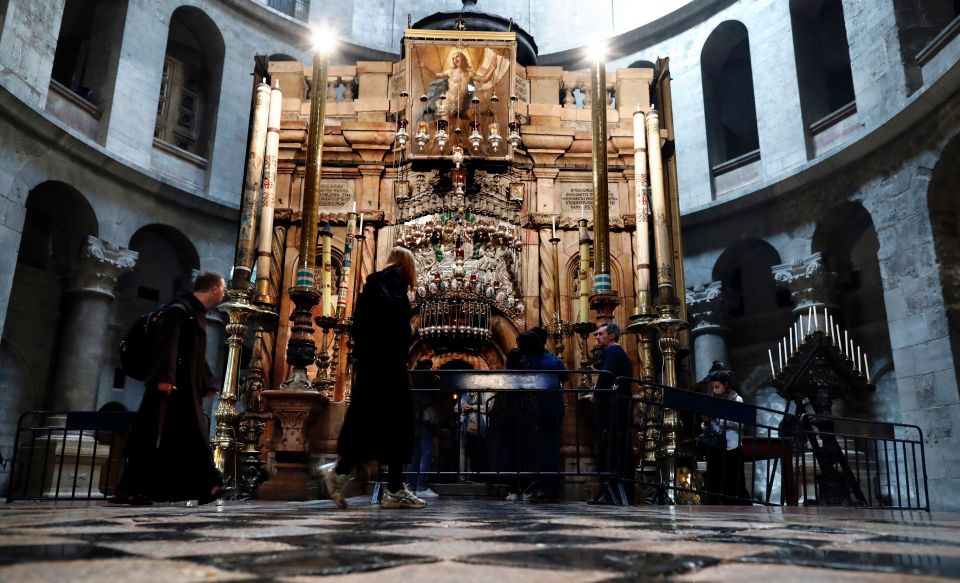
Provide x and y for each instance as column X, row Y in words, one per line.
column 553, row 227
column 791, row 343
column 846, row 342
column 360, row 230
column 780, row 355
column 866, row 366
column 773, row 371
column 810, row 320
column 859, row 369
column 786, row 355
column 816, row 319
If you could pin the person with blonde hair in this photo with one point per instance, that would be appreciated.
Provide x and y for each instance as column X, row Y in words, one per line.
column 380, row 422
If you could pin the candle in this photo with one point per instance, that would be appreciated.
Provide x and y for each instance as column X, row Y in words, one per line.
column 846, row 342
column 858, row 360
column 553, row 227
column 866, row 366
column 810, row 320
column 816, row 319
column 786, row 356
column 780, row 355
column 326, row 264
column 581, row 211
column 773, row 371
column 353, row 207
column 791, row 343
column 832, row 337
column 268, row 193
column 360, row 230
column 836, row 336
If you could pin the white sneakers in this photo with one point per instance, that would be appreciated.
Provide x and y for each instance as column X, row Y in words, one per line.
column 336, row 483
column 428, row 493
column 401, row 499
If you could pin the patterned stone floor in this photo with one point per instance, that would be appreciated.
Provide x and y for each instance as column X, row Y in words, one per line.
column 473, row 541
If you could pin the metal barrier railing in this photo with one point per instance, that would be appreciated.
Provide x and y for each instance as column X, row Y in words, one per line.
column 854, row 462
column 765, row 456
column 509, row 426
column 67, row 455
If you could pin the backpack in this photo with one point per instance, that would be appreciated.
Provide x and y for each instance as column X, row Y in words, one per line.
column 137, row 345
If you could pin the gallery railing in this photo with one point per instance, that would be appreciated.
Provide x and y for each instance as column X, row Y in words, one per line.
column 67, row 455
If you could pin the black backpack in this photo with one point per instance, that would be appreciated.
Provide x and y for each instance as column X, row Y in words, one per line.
column 137, row 346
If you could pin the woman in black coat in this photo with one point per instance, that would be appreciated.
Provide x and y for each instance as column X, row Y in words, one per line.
column 379, row 424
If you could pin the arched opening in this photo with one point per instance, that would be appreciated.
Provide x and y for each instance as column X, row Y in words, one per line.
column 757, row 310
column 848, row 241
column 945, row 220
column 165, row 267
column 920, row 24
column 58, row 221
column 190, row 83
column 729, row 107
column 823, row 61
column 84, row 58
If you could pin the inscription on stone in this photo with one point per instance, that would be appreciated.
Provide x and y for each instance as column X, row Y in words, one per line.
column 577, row 196
column 336, row 193
column 522, row 89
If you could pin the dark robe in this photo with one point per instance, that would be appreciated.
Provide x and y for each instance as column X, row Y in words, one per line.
column 168, row 452
column 614, row 451
column 379, row 424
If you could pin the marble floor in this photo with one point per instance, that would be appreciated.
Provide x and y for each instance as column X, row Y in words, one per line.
column 474, row 541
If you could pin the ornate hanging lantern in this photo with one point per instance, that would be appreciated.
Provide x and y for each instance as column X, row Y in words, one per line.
column 514, row 136
column 422, row 136
column 442, row 133
column 457, row 155
column 402, row 134
column 493, row 135
column 475, row 137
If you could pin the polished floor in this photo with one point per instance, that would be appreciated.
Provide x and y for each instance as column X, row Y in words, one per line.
column 474, row 541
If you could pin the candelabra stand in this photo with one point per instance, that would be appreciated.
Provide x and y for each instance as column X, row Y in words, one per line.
column 238, row 310
column 301, row 349
column 649, row 434
column 344, row 342
column 254, row 419
column 558, row 329
column 669, row 325
column 584, row 329
column 324, row 382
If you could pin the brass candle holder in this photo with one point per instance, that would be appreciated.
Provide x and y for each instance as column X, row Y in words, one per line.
column 324, row 382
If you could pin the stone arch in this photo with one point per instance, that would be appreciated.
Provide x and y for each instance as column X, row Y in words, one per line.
column 848, row 241
column 944, row 206
column 729, row 106
column 756, row 309
column 190, row 82
column 57, row 223
column 823, row 58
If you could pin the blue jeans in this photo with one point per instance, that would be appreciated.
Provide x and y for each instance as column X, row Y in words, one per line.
column 421, row 463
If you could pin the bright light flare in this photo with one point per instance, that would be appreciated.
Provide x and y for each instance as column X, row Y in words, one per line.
column 597, row 50
column 324, row 40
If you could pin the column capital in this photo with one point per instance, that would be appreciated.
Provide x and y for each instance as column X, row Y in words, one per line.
column 706, row 308
column 98, row 265
column 540, row 173
column 371, row 169
column 809, row 280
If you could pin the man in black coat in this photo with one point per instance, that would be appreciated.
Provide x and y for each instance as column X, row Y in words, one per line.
column 614, row 452
column 168, row 452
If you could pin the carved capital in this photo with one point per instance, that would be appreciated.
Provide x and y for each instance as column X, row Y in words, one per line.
column 98, row 266
column 808, row 279
column 705, row 306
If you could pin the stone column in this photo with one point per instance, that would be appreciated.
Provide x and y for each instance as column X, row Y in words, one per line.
column 88, row 298
column 809, row 282
column 707, row 315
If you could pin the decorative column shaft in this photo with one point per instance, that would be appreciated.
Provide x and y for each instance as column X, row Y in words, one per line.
column 86, row 319
column 707, row 313
column 601, row 205
column 246, row 237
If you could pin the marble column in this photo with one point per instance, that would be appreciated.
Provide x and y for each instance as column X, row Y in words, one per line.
column 88, row 299
column 810, row 283
column 548, row 278
column 707, row 313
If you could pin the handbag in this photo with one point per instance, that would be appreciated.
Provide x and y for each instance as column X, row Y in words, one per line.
column 710, row 441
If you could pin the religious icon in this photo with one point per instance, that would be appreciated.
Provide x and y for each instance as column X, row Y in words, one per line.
column 461, row 81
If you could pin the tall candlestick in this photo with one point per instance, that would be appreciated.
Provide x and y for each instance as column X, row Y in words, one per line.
column 642, row 211
column 326, row 234
column 773, row 371
column 253, row 175
column 344, row 290
column 662, row 240
column 601, row 206
column 584, row 271
column 265, row 246
column 311, row 186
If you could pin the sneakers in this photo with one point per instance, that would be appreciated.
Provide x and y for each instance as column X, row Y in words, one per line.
column 402, row 499
column 428, row 493
column 336, row 484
